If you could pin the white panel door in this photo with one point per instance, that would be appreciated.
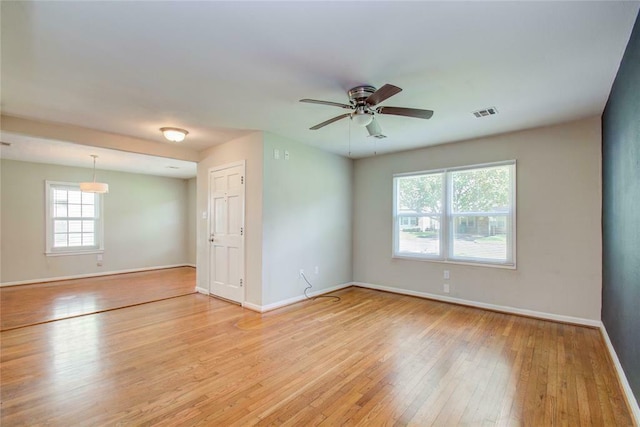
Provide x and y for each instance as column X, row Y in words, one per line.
column 226, row 232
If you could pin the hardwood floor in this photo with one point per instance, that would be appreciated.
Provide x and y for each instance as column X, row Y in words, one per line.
column 43, row 302
column 372, row 358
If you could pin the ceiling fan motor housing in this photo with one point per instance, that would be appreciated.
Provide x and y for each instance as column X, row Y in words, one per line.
column 359, row 94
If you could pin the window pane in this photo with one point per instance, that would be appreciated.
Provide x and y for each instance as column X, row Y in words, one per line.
column 75, row 197
column 74, row 211
column 87, row 226
column 420, row 194
column 423, row 238
column 59, row 226
column 59, row 196
column 60, row 240
column 481, row 190
column 75, row 239
column 88, row 211
column 87, row 239
column 60, row 210
column 75, row 226
column 480, row 237
column 88, row 198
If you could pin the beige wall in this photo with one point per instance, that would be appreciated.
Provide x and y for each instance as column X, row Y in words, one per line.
column 558, row 221
column 299, row 214
column 248, row 148
column 307, row 211
column 192, row 221
column 145, row 218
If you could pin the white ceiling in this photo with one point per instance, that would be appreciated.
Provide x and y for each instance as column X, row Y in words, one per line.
column 220, row 69
column 38, row 150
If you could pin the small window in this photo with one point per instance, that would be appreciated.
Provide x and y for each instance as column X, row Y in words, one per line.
column 457, row 215
column 74, row 219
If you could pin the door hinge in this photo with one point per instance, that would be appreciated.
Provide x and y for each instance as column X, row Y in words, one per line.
column 242, row 180
column 242, row 231
column 241, row 282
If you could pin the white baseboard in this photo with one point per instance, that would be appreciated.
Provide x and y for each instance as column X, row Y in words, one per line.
column 486, row 306
column 202, row 290
column 632, row 403
column 252, row 306
column 83, row 276
column 190, row 265
column 289, row 301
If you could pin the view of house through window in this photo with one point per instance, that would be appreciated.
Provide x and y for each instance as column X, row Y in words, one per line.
column 73, row 219
column 462, row 214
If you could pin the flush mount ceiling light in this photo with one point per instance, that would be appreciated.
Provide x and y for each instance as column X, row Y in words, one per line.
column 94, row 187
column 174, row 134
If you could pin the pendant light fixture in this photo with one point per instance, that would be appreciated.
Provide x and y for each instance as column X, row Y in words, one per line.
column 94, row 187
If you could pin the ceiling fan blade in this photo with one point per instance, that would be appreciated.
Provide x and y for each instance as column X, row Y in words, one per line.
column 385, row 92
column 328, row 122
column 333, row 104
column 407, row 112
column 374, row 129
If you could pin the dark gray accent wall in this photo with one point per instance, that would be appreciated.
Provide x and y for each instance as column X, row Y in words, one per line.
column 621, row 213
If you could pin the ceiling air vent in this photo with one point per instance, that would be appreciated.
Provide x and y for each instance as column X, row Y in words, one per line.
column 486, row 112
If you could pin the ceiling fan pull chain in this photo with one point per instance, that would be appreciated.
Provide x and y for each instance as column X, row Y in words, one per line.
column 349, row 138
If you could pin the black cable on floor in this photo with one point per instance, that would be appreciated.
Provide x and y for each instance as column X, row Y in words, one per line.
column 337, row 298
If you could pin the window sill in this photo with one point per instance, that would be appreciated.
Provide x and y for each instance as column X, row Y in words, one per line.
column 470, row 263
column 65, row 253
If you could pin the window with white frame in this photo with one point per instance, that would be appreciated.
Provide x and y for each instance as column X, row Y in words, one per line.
column 462, row 214
column 73, row 219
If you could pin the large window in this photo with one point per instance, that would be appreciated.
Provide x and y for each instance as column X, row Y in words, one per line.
column 74, row 219
column 458, row 215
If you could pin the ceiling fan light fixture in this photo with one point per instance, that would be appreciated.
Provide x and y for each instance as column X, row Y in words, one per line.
column 362, row 118
column 174, row 134
column 93, row 186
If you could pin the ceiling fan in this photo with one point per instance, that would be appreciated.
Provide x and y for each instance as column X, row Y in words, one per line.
column 362, row 103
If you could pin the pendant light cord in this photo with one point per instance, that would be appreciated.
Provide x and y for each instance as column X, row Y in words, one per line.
column 94, row 167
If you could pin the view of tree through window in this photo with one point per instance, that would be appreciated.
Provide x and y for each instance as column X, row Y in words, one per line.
column 462, row 214
column 421, row 194
column 420, row 201
column 481, row 190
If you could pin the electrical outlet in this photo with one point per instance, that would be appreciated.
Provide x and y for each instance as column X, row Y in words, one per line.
column 446, row 274
column 445, row 288
column 317, row 270
column 286, row 155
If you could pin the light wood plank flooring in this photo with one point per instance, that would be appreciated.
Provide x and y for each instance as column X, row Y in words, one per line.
column 371, row 359
column 43, row 302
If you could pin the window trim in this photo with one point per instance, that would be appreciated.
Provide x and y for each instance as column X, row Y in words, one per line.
column 446, row 229
column 99, row 231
